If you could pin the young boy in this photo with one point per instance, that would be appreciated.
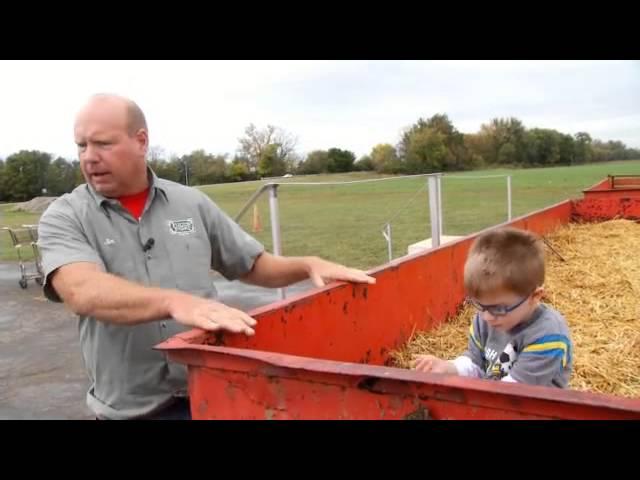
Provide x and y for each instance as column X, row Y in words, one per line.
column 513, row 337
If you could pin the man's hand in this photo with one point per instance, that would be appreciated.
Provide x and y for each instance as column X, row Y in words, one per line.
column 274, row 271
column 429, row 363
column 209, row 315
column 322, row 271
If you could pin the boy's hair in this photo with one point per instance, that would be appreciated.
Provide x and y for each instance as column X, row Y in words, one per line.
column 504, row 259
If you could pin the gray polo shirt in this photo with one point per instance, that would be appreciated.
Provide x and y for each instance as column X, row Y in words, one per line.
column 190, row 233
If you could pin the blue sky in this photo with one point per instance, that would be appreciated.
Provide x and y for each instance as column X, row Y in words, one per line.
column 352, row 105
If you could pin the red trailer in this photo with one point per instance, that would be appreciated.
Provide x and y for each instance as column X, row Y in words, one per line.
column 324, row 354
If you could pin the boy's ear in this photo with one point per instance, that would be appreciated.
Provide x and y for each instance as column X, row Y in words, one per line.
column 538, row 293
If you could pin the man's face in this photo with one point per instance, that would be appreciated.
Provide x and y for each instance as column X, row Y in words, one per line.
column 112, row 162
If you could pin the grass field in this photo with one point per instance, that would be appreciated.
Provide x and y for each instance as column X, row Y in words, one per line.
column 344, row 223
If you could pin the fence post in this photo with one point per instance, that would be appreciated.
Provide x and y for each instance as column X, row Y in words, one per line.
column 275, row 226
column 434, row 210
column 387, row 235
column 509, row 211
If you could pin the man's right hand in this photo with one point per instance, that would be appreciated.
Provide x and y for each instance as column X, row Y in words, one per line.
column 209, row 315
column 89, row 291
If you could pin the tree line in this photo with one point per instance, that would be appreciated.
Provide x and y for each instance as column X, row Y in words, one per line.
column 429, row 145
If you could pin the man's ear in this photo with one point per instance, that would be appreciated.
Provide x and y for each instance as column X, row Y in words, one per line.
column 142, row 137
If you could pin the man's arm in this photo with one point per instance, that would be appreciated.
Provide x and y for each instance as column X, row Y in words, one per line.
column 274, row 271
column 237, row 255
column 87, row 290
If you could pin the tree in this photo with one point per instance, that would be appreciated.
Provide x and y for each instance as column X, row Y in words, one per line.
column 271, row 164
column 566, row 149
column 543, row 147
column 440, row 123
column 204, row 168
column 163, row 167
column 364, row 164
column 507, row 153
column 499, row 133
column 238, row 170
column 433, row 145
column 407, row 137
column 3, row 191
column 340, row 160
column 78, row 177
column 292, row 161
column 478, row 146
column 25, row 174
column 426, row 152
column 618, row 150
column 60, row 177
column 633, row 153
column 157, row 154
column 167, row 169
column 316, row 162
column 385, row 159
column 583, row 149
column 255, row 143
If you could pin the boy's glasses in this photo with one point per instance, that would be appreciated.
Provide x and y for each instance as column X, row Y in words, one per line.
column 496, row 310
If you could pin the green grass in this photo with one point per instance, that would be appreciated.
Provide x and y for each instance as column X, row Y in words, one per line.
column 344, row 223
column 8, row 218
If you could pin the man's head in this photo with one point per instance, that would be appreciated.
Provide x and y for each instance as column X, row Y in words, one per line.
column 112, row 138
column 504, row 274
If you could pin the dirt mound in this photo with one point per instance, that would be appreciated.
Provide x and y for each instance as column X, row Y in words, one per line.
column 35, row 205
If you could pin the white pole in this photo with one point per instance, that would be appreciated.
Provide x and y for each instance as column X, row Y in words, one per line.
column 275, row 226
column 509, row 211
column 440, row 217
column 433, row 211
column 388, row 238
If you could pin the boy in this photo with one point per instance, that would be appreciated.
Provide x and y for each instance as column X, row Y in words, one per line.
column 513, row 337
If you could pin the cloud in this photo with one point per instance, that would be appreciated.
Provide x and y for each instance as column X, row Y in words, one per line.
column 346, row 104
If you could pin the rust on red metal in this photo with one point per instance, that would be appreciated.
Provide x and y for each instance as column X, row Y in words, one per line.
column 248, row 384
column 601, row 209
column 606, row 184
column 625, row 181
column 322, row 354
column 618, row 196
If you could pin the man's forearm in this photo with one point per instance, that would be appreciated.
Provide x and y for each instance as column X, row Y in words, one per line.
column 273, row 272
column 112, row 299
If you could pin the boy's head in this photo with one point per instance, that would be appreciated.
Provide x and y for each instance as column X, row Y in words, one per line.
column 504, row 274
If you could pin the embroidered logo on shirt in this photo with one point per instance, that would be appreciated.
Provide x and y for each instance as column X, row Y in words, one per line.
column 181, row 227
column 108, row 241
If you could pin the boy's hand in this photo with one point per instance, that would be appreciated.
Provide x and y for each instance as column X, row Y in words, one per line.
column 429, row 363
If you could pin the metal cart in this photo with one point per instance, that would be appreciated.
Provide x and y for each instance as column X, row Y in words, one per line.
column 27, row 237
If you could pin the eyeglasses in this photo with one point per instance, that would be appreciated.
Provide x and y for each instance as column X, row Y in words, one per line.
column 496, row 310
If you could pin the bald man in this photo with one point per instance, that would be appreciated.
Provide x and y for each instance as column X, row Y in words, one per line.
column 130, row 254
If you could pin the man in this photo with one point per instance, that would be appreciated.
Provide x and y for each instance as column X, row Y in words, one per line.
column 130, row 254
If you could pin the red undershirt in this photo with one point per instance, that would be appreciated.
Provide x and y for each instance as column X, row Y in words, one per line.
column 135, row 203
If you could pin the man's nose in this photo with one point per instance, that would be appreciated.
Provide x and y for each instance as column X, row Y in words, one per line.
column 89, row 154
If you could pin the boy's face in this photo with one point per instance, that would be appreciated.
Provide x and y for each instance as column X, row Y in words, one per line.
column 506, row 300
